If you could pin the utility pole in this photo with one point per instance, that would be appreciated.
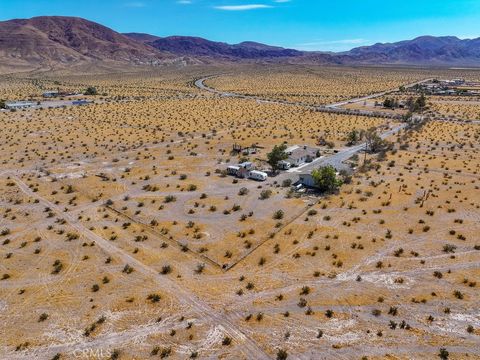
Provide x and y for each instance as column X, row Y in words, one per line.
column 365, row 157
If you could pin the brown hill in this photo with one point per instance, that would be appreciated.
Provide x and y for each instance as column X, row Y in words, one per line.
column 53, row 40
column 144, row 38
column 200, row 48
column 69, row 42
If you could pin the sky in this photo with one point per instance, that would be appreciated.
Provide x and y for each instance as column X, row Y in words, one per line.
column 324, row 25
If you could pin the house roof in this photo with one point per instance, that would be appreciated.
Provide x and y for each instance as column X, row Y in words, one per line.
column 302, row 152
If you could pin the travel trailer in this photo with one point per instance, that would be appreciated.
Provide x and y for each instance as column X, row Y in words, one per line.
column 258, row 175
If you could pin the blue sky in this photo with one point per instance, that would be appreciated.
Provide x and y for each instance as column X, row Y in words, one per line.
column 334, row 25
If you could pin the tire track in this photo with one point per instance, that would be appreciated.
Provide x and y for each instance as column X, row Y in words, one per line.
column 249, row 347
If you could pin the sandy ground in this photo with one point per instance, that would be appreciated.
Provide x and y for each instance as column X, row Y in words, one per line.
column 120, row 235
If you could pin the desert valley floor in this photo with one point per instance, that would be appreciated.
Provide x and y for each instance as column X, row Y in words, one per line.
column 122, row 236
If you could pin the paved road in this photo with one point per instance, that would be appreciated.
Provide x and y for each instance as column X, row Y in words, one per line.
column 337, row 160
column 376, row 95
column 330, row 108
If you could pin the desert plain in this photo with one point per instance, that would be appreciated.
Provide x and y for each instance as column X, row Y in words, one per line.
column 122, row 236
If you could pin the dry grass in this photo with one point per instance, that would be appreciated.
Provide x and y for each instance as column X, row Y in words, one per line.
column 86, row 191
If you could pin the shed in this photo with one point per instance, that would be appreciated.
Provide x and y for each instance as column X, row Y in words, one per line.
column 307, row 180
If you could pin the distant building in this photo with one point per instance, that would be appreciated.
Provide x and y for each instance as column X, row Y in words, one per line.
column 19, row 105
column 50, row 94
column 80, row 102
column 453, row 82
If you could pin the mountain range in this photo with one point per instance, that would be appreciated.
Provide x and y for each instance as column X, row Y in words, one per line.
column 55, row 41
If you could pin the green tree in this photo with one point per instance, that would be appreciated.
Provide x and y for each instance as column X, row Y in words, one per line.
column 276, row 155
column 410, row 104
column 443, row 354
column 2, row 104
column 326, row 179
column 91, row 91
column 389, row 103
column 421, row 103
column 282, row 354
column 375, row 143
column 417, row 105
column 353, row 137
column 408, row 116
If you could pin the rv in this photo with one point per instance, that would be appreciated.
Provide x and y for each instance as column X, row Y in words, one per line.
column 233, row 170
column 258, row 175
column 284, row 165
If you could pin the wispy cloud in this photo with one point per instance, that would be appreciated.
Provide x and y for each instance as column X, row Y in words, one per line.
column 332, row 45
column 184, row 2
column 242, row 7
column 336, row 42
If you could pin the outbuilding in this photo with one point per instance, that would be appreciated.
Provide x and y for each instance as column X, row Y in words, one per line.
column 19, row 105
column 307, row 180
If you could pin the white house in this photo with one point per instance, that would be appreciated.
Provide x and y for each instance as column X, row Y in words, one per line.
column 299, row 155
